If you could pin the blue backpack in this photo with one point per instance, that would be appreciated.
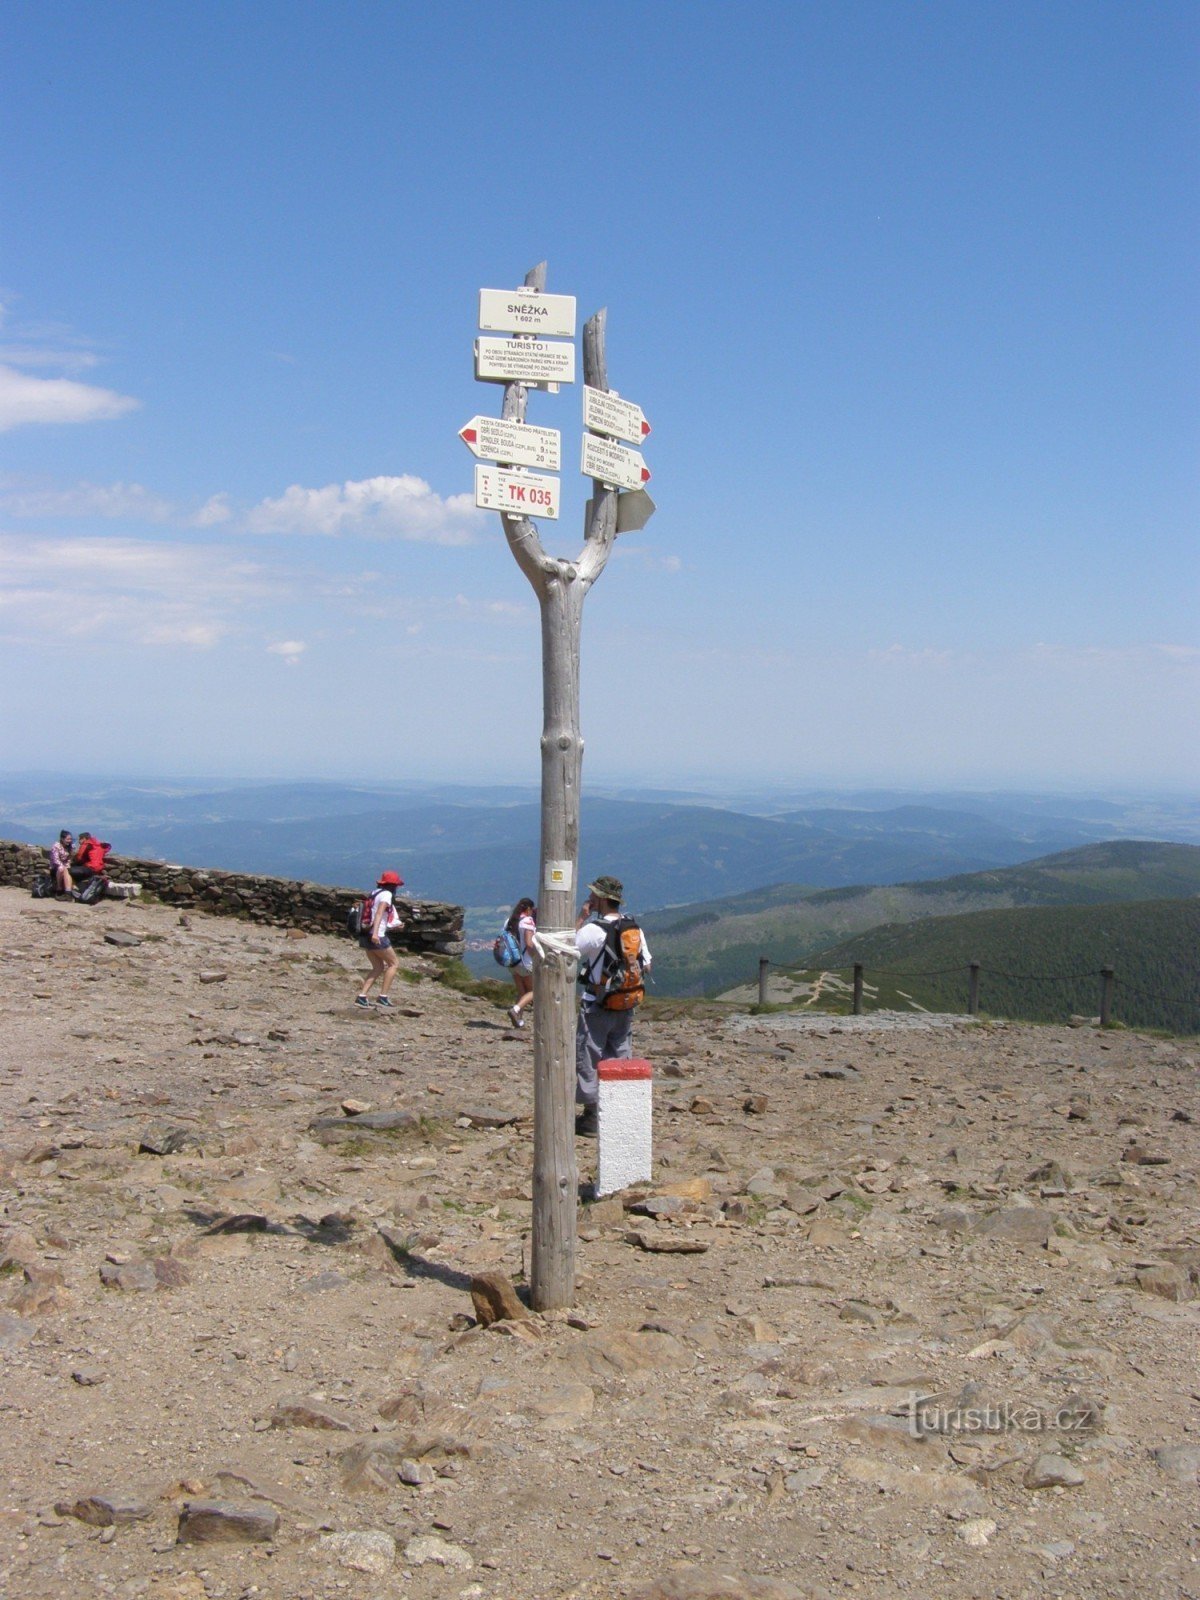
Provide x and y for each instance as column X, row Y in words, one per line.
column 507, row 950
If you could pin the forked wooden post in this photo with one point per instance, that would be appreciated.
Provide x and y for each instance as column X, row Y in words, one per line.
column 561, row 587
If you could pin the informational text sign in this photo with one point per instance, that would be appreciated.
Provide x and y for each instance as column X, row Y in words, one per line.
column 519, row 494
column 519, row 311
column 524, row 361
column 515, row 443
column 607, row 413
column 613, row 463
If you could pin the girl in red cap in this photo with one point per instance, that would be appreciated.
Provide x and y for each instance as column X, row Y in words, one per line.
column 385, row 920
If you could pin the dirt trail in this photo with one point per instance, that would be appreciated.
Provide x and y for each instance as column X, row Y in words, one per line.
column 907, row 1309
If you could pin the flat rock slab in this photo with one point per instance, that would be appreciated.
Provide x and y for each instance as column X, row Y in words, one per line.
column 1018, row 1225
column 1181, row 1461
column 369, row 1551
column 145, row 1276
column 329, row 1129
column 226, row 1522
column 299, row 1414
column 1053, row 1472
column 106, row 1510
column 666, row 1243
column 124, row 941
column 163, row 1140
column 490, row 1119
column 15, row 1331
column 705, row 1583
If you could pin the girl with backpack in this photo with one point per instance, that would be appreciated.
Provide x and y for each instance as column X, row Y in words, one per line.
column 522, row 925
column 375, row 940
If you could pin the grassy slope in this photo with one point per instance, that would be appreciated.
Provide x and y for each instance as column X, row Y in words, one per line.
column 1039, row 963
column 709, row 947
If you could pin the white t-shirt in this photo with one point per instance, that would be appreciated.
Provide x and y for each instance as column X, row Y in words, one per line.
column 589, row 941
column 384, row 922
column 526, row 928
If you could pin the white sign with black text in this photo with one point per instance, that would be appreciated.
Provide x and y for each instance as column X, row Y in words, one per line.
column 524, row 361
column 523, row 311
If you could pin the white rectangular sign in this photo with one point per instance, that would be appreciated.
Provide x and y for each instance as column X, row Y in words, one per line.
column 524, row 361
column 613, row 463
column 607, row 413
column 559, row 875
column 521, row 311
column 520, row 494
column 515, row 443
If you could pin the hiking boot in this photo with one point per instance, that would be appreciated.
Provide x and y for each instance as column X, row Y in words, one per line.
column 385, row 1003
column 515, row 1017
column 361, row 1000
column 587, row 1124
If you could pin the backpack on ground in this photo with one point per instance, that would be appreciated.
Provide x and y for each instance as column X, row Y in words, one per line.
column 358, row 918
column 507, row 949
column 43, row 886
column 621, row 986
column 92, row 891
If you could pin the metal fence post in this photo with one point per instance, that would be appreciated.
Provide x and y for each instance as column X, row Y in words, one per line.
column 973, row 991
column 1108, row 980
column 858, row 988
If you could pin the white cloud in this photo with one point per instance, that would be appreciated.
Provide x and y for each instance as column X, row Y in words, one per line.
column 216, row 509
column 25, row 399
column 128, row 500
column 66, row 360
column 386, row 507
column 290, row 650
column 124, row 591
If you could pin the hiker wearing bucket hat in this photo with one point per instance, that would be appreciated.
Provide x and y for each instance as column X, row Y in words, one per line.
column 604, row 1031
column 375, row 940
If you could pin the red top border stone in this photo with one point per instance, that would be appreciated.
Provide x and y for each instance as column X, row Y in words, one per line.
column 623, row 1071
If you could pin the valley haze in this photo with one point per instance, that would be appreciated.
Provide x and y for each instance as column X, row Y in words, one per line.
column 477, row 844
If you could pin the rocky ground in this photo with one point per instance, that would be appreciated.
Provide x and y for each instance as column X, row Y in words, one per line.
column 904, row 1310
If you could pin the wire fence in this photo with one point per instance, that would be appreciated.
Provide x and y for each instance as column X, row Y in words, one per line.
column 996, row 991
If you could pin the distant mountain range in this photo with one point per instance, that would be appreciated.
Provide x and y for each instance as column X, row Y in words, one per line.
column 478, row 847
column 706, row 948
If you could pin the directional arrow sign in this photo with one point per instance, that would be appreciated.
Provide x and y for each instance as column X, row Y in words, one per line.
column 606, row 413
column 613, row 463
column 520, row 494
column 514, row 443
column 524, row 360
column 519, row 311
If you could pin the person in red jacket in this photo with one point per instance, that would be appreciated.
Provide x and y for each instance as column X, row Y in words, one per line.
column 88, row 860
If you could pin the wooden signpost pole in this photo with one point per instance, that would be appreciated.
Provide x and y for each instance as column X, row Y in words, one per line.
column 561, row 587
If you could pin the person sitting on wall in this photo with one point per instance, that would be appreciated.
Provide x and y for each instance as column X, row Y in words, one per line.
column 88, row 860
column 60, row 863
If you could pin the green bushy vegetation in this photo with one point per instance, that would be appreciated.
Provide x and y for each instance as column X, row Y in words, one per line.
column 1039, row 963
column 714, row 946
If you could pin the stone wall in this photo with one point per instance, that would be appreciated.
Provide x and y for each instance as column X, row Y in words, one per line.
column 278, row 902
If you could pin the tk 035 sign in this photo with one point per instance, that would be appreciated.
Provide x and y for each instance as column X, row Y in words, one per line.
column 519, row 494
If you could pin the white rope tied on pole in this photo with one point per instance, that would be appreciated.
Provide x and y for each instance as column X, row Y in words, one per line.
column 556, row 946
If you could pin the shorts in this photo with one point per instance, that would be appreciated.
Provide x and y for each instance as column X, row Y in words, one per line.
column 368, row 943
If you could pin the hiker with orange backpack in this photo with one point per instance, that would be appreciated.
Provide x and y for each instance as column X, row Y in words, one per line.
column 613, row 961
column 381, row 921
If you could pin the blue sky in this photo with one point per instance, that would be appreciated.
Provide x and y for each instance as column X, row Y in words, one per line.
column 908, row 293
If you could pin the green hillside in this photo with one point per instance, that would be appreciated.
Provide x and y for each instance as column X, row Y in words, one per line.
column 708, row 947
column 1038, row 963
